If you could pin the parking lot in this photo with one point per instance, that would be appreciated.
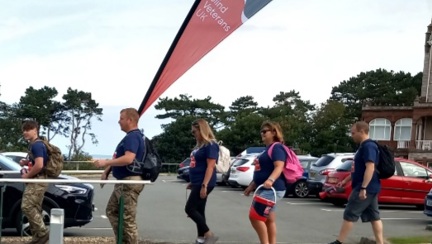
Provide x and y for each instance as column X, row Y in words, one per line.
column 161, row 217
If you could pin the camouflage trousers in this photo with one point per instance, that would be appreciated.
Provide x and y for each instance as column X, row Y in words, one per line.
column 31, row 207
column 131, row 193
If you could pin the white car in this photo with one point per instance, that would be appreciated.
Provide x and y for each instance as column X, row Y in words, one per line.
column 242, row 170
column 15, row 156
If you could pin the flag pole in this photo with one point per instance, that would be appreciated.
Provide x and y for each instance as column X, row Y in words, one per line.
column 168, row 56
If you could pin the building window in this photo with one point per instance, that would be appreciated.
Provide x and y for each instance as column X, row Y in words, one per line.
column 402, row 130
column 379, row 129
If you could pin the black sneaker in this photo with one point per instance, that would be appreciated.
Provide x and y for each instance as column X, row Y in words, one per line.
column 335, row 242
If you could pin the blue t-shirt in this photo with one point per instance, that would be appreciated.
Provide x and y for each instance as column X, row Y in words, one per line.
column 264, row 167
column 198, row 165
column 367, row 152
column 132, row 142
column 37, row 150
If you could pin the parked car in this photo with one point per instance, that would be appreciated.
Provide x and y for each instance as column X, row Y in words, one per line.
column 428, row 204
column 183, row 172
column 227, row 175
column 15, row 156
column 185, row 163
column 242, row 170
column 75, row 198
column 300, row 187
column 251, row 150
column 408, row 186
column 321, row 168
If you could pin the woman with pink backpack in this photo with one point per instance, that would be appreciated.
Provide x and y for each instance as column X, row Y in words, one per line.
column 269, row 182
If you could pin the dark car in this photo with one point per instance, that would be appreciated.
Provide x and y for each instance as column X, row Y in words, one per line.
column 183, row 171
column 75, row 198
column 185, row 163
column 300, row 187
column 428, row 204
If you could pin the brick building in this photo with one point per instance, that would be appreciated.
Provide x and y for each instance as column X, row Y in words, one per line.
column 408, row 130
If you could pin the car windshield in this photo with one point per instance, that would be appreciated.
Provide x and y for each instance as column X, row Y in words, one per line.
column 323, row 161
column 9, row 164
column 304, row 162
column 345, row 167
column 239, row 162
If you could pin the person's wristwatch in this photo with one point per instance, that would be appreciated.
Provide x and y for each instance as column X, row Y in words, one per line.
column 204, row 186
column 362, row 188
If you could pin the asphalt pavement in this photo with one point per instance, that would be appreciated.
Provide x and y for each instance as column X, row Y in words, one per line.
column 161, row 217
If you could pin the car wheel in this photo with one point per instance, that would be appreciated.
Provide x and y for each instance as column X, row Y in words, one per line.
column 25, row 226
column 301, row 189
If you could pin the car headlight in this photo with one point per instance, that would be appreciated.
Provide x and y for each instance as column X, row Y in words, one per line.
column 72, row 189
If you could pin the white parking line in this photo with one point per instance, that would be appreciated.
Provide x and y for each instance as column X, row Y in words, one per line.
column 401, row 218
column 382, row 211
column 332, row 210
column 95, row 228
column 302, row 203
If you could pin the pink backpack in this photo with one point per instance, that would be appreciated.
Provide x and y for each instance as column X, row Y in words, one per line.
column 293, row 170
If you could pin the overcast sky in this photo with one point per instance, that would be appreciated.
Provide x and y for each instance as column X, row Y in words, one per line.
column 114, row 48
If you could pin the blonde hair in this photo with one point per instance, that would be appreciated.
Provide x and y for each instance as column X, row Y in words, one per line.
column 276, row 128
column 131, row 114
column 205, row 131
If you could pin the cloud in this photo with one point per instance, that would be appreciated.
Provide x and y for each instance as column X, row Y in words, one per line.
column 113, row 50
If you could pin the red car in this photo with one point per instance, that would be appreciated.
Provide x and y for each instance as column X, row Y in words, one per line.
column 409, row 186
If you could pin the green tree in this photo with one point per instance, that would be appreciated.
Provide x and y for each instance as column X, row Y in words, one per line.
column 176, row 142
column 10, row 129
column 39, row 104
column 80, row 109
column 242, row 125
column 331, row 128
column 242, row 133
column 184, row 106
column 294, row 115
column 377, row 87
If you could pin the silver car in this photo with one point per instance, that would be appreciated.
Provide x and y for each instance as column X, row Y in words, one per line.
column 320, row 169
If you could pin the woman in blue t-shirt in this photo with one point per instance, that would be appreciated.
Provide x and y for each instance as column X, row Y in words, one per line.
column 268, row 173
column 202, row 176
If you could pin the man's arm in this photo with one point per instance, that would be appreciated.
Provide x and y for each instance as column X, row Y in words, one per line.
column 123, row 160
column 37, row 167
column 370, row 169
column 370, row 155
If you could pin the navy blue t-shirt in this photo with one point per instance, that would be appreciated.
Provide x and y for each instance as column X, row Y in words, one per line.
column 198, row 165
column 132, row 142
column 367, row 152
column 264, row 167
column 38, row 149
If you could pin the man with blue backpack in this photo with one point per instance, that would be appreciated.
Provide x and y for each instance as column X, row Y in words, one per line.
column 372, row 162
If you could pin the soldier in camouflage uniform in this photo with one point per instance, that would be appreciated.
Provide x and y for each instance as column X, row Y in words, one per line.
column 33, row 195
column 130, row 149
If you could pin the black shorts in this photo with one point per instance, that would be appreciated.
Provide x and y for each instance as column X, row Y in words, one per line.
column 366, row 209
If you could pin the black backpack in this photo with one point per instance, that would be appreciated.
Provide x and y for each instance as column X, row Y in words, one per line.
column 152, row 164
column 386, row 164
column 149, row 166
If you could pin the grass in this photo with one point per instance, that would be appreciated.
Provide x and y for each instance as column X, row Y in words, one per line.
column 411, row 239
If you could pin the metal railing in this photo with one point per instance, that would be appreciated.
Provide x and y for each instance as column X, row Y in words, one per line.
column 402, row 144
column 424, row 144
column 5, row 181
column 166, row 167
